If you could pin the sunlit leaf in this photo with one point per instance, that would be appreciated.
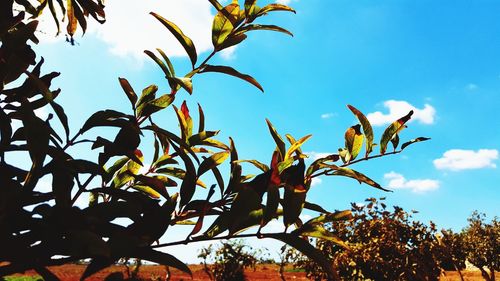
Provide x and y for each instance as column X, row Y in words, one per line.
column 159, row 62
column 185, row 41
column 155, row 105
column 252, row 27
column 212, row 161
column 395, row 141
column 393, row 129
column 148, row 94
column 231, row 71
column 346, row 172
column 277, row 139
column 261, row 166
column 72, row 21
column 296, row 146
column 318, row 231
column 367, row 128
column 354, row 141
column 275, row 7
column 223, row 24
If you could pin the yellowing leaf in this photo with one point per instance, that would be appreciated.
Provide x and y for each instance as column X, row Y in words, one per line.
column 367, row 128
column 233, row 72
column 296, row 146
column 223, row 24
column 354, row 141
column 212, row 161
column 274, row 7
column 346, row 172
column 252, row 27
column 393, row 129
column 185, row 41
column 277, row 138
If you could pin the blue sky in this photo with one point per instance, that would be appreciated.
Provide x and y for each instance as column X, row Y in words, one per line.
column 440, row 58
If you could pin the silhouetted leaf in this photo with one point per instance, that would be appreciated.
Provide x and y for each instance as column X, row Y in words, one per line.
column 307, row 249
column 159, row 62
column 189, row 182
column 419, row 139
column 185, row 41
column 106, row 117
column 231, row 71
column 59, row 110
column 155, row 105
column 148, row 94
column 129, row 91
column 395, row 141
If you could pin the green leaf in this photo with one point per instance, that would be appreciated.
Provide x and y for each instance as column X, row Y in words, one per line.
column 361, row 178
column 167, row 60
column 277, row 138
column 212, row 161
column 129, row 91
column 308, row 250
column 354, row 141
column 172, row 137
column 223, row 24
column 367, row 128
column 263, row 167
column 184, row 82
column 252, row 27
column 185, row 41
column 314, row 207
column 115, row 167
column 330, row 217
column 419, row 139
column 392, row 130
column 231, row 71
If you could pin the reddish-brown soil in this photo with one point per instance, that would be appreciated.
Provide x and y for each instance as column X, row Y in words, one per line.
column 156, row 272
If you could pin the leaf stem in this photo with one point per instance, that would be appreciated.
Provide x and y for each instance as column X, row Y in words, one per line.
column 203, row 238
column 370, row 157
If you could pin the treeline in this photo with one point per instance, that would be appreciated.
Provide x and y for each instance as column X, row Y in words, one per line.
column 378, row 243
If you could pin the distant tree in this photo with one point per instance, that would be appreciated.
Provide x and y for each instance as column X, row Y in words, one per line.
column 229, row 261
column 452, row 251
column 482, row 244
column 380, row 245
column 38, row 227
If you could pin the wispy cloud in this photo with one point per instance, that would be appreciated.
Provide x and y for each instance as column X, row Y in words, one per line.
column 327, row 115
column 284, row 2
column 398, row 181
column 398, row 109
column 471, row 87
column 228, row 53
column 460, row 159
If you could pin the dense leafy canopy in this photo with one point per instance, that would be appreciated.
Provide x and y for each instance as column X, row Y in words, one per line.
column 36, row 227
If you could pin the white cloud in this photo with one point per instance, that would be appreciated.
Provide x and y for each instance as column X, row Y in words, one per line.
column 460, row 159
column 228, row 53
column 130, row 29
column 398, row 109
column 471, row 87
column 398, row 181
column 284, row 2
column 313, row 155
column 316, row 181
column 327, row 115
